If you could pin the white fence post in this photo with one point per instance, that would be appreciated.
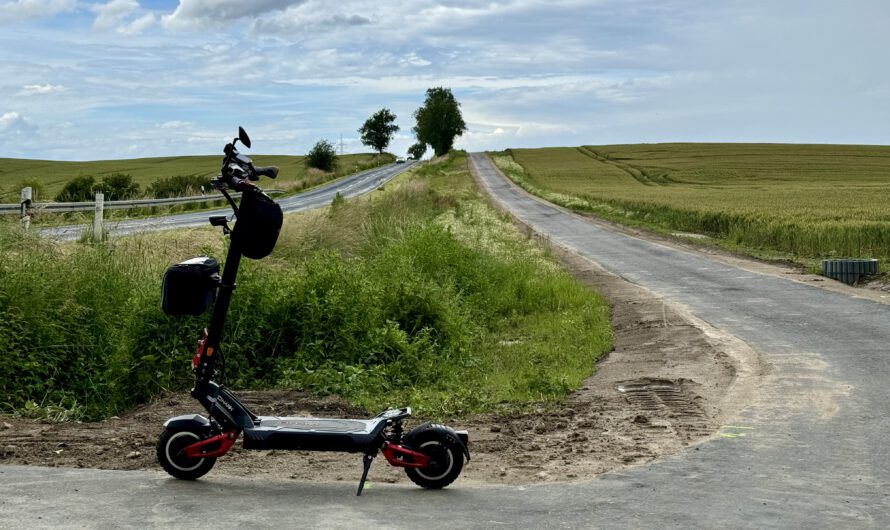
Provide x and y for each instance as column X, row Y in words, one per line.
column 26, row 203
column 97, row 219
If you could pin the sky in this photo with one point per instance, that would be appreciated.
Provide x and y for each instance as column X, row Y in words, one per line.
column 87, row 80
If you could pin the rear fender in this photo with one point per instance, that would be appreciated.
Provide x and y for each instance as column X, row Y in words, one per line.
column 458, row 438
column 188, row 422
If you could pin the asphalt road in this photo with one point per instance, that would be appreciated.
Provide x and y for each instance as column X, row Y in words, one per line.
column 809, row 452
column 348, row 187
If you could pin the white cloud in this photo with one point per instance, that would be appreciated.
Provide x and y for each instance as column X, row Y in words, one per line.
column 122, row 17
column 38, row 90
column 176, row 125
column 109, row 15
column 413, row 59
column 207, row 13
column 138, row 25
column 24, row 9
column 13, row 122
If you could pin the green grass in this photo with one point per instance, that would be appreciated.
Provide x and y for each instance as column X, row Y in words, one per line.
column 804, row 202
column 419, row 294
column 51, row 176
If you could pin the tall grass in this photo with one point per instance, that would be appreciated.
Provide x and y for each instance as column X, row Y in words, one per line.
column 799, row 201
column 419, row 295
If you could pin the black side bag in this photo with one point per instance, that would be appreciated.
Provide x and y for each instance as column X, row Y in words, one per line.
column 258, row 226
column 190, row 286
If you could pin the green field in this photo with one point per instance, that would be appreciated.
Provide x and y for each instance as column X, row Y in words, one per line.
column 799, row 201
column 51, row 176
column 419, row 293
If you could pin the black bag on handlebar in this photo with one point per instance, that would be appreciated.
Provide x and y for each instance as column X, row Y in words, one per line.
column 258, row 225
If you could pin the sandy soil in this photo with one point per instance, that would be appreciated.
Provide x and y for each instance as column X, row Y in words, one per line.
column 668, row 384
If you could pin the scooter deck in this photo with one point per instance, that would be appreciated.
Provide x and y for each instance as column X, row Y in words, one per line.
column 314, row 434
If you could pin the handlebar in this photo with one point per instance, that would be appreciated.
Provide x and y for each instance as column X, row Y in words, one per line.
column 270, row 171
column 238, row 170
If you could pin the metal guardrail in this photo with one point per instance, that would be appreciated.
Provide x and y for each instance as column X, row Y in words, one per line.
column 62, row 207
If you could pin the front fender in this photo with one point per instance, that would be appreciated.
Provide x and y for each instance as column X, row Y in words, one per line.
column 455, row 437
column 188, row 422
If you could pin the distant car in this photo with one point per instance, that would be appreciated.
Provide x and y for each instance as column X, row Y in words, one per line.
column 400, row 160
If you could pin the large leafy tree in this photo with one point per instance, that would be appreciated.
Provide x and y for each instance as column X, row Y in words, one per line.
column 439, row 120
column 379, row 129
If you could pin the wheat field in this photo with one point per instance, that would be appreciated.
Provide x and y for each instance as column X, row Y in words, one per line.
column 804, row 201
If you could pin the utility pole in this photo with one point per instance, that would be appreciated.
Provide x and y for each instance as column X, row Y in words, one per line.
column 341, row 145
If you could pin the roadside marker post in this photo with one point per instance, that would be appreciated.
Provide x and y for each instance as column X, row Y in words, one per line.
column 26, row 203
column 97, row 219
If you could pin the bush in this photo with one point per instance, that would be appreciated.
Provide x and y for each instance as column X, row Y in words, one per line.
column 118, row 187
column 79, row 189
column 322, row 156
column 36, row 186
column 178, row 186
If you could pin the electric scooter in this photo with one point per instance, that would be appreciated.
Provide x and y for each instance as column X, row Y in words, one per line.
column 431, row 454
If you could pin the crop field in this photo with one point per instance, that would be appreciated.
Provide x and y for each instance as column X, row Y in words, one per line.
column 799, row 201
column 50, row 176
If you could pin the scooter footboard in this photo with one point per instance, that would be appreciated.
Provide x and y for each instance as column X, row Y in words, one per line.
column 307, row 441
column 316, row 434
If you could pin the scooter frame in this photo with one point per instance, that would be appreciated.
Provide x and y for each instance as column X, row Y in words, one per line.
column 431, row 454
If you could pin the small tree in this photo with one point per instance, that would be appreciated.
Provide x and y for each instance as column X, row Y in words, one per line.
column 323, row 156
column 417, row 150
column 439, row 120
column 78, row 189
column 379, row 129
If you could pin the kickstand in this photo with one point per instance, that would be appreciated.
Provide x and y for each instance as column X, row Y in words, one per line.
column 366, row 461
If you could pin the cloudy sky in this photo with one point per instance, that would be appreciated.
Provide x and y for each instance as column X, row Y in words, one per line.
column 83, row 80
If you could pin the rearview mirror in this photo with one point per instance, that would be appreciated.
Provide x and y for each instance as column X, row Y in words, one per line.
column 242, row 135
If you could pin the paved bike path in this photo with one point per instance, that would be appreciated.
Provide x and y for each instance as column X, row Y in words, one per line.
column 809, row 451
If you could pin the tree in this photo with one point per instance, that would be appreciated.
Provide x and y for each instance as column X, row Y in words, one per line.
column 439, row 120
column 417, row 150
column 323, row 156
column 379, row 129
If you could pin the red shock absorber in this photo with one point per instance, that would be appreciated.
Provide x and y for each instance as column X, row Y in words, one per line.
column 196, row 360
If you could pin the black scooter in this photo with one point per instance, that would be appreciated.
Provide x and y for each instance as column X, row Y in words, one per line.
column 432, row 455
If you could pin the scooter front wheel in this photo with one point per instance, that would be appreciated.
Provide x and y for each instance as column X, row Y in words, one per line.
column 446, row 460
column 175, row 462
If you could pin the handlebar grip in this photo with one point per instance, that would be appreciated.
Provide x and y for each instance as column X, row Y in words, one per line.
column 241, row 184
column 271, row 171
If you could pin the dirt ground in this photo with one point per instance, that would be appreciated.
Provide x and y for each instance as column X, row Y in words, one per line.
column 667, row 385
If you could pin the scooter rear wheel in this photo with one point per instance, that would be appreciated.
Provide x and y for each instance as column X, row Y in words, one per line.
column 174, row 462
column 447, row 460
